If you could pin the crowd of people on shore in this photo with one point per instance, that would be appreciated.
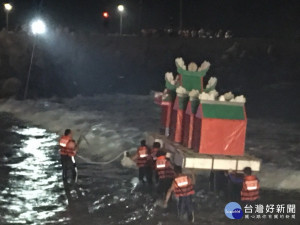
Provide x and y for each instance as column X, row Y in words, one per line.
column 187, row 33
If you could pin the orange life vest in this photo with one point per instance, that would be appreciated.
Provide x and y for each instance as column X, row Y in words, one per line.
column 183, row 186
column 161, row 162
column 67, row 146
column 143, row 156
column 164, row 168
column 71, row 146
column 250, row 190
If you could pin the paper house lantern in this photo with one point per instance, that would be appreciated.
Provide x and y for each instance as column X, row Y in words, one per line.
column 220, row 128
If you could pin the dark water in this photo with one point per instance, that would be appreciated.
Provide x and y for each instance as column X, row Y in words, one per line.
column 32, row 191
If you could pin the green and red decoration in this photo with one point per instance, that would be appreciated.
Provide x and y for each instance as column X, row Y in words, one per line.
column 191, row 80
column 221, row 128
column 180, row 106
column 189, row 119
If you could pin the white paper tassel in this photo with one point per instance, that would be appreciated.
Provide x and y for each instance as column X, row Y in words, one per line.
column 194, row 94
column 240, row 99
column 180, row 63
column 228, row 96
column 205, row 65
column 222, row 98
column 169, row 77
column 206, row 96
column 181, row 91
column 214, row 93
column 211, row 82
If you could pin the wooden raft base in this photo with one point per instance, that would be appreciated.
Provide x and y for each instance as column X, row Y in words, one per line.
column 188, row 159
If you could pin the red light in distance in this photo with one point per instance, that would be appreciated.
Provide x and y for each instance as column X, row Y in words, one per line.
column 105, row 14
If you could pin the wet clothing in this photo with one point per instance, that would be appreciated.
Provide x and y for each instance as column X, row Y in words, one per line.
column 235, row 184
column 144, row 164
column 165, row 173
column 67, row 157
column 163, row 186
column 184, row 190
column 236, row 178
column 154, row 153
column 250, row 190
column 145, row 171
column 68, row 164
column 185, row 205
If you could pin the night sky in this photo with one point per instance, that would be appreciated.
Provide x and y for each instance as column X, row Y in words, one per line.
column 270, row 18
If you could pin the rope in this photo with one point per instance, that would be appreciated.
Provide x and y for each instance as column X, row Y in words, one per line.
column 100, row 163
column 92, row 162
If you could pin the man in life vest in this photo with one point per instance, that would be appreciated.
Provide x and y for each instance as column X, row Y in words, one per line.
column 165, row 173
column 250, row 189
column 68, row 149
column 143, row 161
column 183, row 187
column 155, row 151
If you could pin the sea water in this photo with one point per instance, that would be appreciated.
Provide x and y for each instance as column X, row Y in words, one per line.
column 32, row 191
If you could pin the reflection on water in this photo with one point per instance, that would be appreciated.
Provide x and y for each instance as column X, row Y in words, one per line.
column 33, row 192
column 32, row 195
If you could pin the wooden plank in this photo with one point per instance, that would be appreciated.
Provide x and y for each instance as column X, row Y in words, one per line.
column 198, row 163
column 224, row 163
column 254, row 164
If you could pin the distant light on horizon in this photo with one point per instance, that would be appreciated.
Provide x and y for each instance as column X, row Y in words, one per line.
column 105, row 14
column 8, row 6
column 38, row 27
column 121, row 8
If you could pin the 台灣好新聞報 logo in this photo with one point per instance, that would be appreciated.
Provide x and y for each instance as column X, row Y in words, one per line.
column 233, row 210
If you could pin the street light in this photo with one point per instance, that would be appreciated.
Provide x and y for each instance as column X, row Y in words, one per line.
column 8, row 7
column 121, row 10
column 38, row 27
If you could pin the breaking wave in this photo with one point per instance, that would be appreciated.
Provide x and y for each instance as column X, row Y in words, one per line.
column 112, row 124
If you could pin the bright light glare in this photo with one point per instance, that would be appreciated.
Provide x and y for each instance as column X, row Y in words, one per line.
column 38, row 27
column 105, row 14
column 8, row 6
column 121, row 8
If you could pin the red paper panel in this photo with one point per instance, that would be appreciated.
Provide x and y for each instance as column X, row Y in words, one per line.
column 186, row 130
column 223, row 137
column 179, row 126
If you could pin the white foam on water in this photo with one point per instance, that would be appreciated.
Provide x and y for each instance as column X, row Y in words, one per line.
column 110, row 124
column 128, row 162
column 134, row 181
column 280, row 179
